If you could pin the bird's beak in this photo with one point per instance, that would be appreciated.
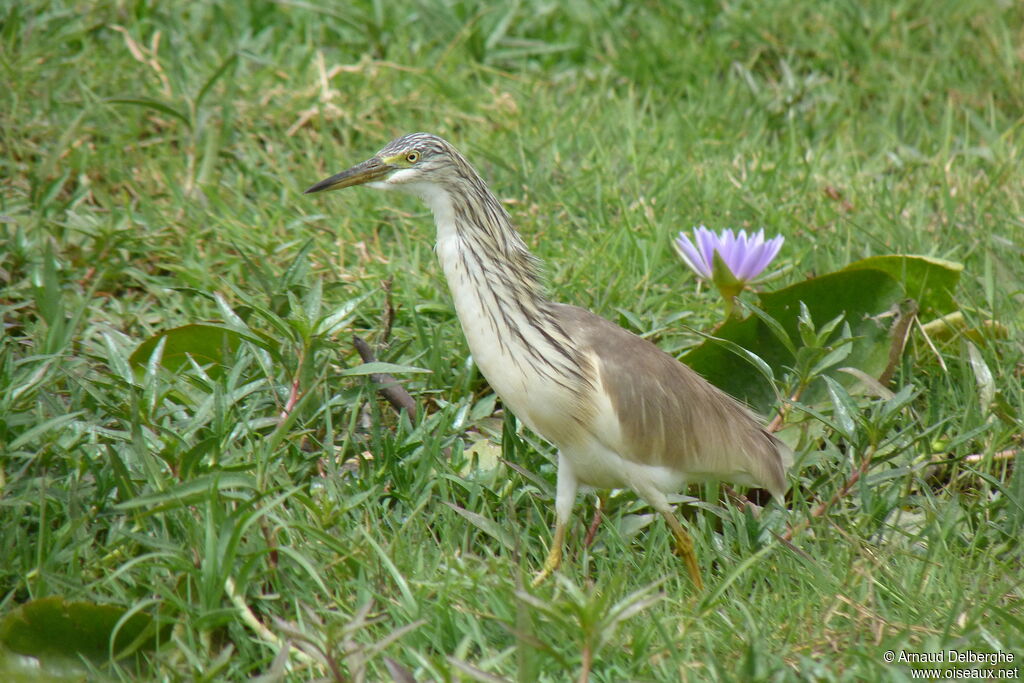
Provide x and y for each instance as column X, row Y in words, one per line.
column 366, row 172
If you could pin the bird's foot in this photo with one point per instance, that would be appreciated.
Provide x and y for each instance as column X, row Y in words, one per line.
column 553, row 562
column 684, row 548
column 554, row 559
column 692, row 568
column 541, row 577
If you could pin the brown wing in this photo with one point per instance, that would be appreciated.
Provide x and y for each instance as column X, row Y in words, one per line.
column 669, row 415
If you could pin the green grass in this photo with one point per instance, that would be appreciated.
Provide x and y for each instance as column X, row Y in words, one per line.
column 153, row 158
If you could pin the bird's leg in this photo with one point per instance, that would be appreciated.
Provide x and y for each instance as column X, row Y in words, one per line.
column 554, row 559
column 684, row 547
column 565, row 496
column 684, row 544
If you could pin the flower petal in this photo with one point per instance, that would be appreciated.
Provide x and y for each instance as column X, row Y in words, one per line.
column 766, row 254
column 747, row 266
column 745, row 255
column 691, row 257
column 773, row 246
column 708, row 242
column 733, row 249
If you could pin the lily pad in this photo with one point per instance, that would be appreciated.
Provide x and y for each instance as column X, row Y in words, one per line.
column 927, row 280
column 870, row 300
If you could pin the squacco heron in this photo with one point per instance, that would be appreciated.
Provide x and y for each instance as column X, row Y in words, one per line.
column 621, row 412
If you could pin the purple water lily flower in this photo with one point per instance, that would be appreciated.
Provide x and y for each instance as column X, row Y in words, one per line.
column 746, row 256
column 729, row 259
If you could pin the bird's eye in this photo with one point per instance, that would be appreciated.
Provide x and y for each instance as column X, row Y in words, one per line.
column 412, row 157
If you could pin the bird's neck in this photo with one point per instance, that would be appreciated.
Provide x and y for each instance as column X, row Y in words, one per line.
column 513, row 330
column 480, row 250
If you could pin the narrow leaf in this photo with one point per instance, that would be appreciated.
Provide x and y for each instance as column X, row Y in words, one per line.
column 228, row 313
column 341, row 317
column 486, row 525
column 191, row 491
column 221, row 70
column 843, row 407
column 833, row 357
column 759, row 364
column 982, row 378
column 381, row 367
column 775, row 327
column 148, row 103
column 872, row 385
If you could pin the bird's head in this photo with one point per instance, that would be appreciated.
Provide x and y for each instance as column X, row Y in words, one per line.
column 414, row 163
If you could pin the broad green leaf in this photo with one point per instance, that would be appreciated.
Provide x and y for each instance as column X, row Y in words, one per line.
column 54, row 628
column 207, row 343
column 929, row 281
column 868, row 298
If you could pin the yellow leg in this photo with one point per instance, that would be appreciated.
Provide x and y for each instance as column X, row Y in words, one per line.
column 565, row 496
column 554, row 560
column 684, row 548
